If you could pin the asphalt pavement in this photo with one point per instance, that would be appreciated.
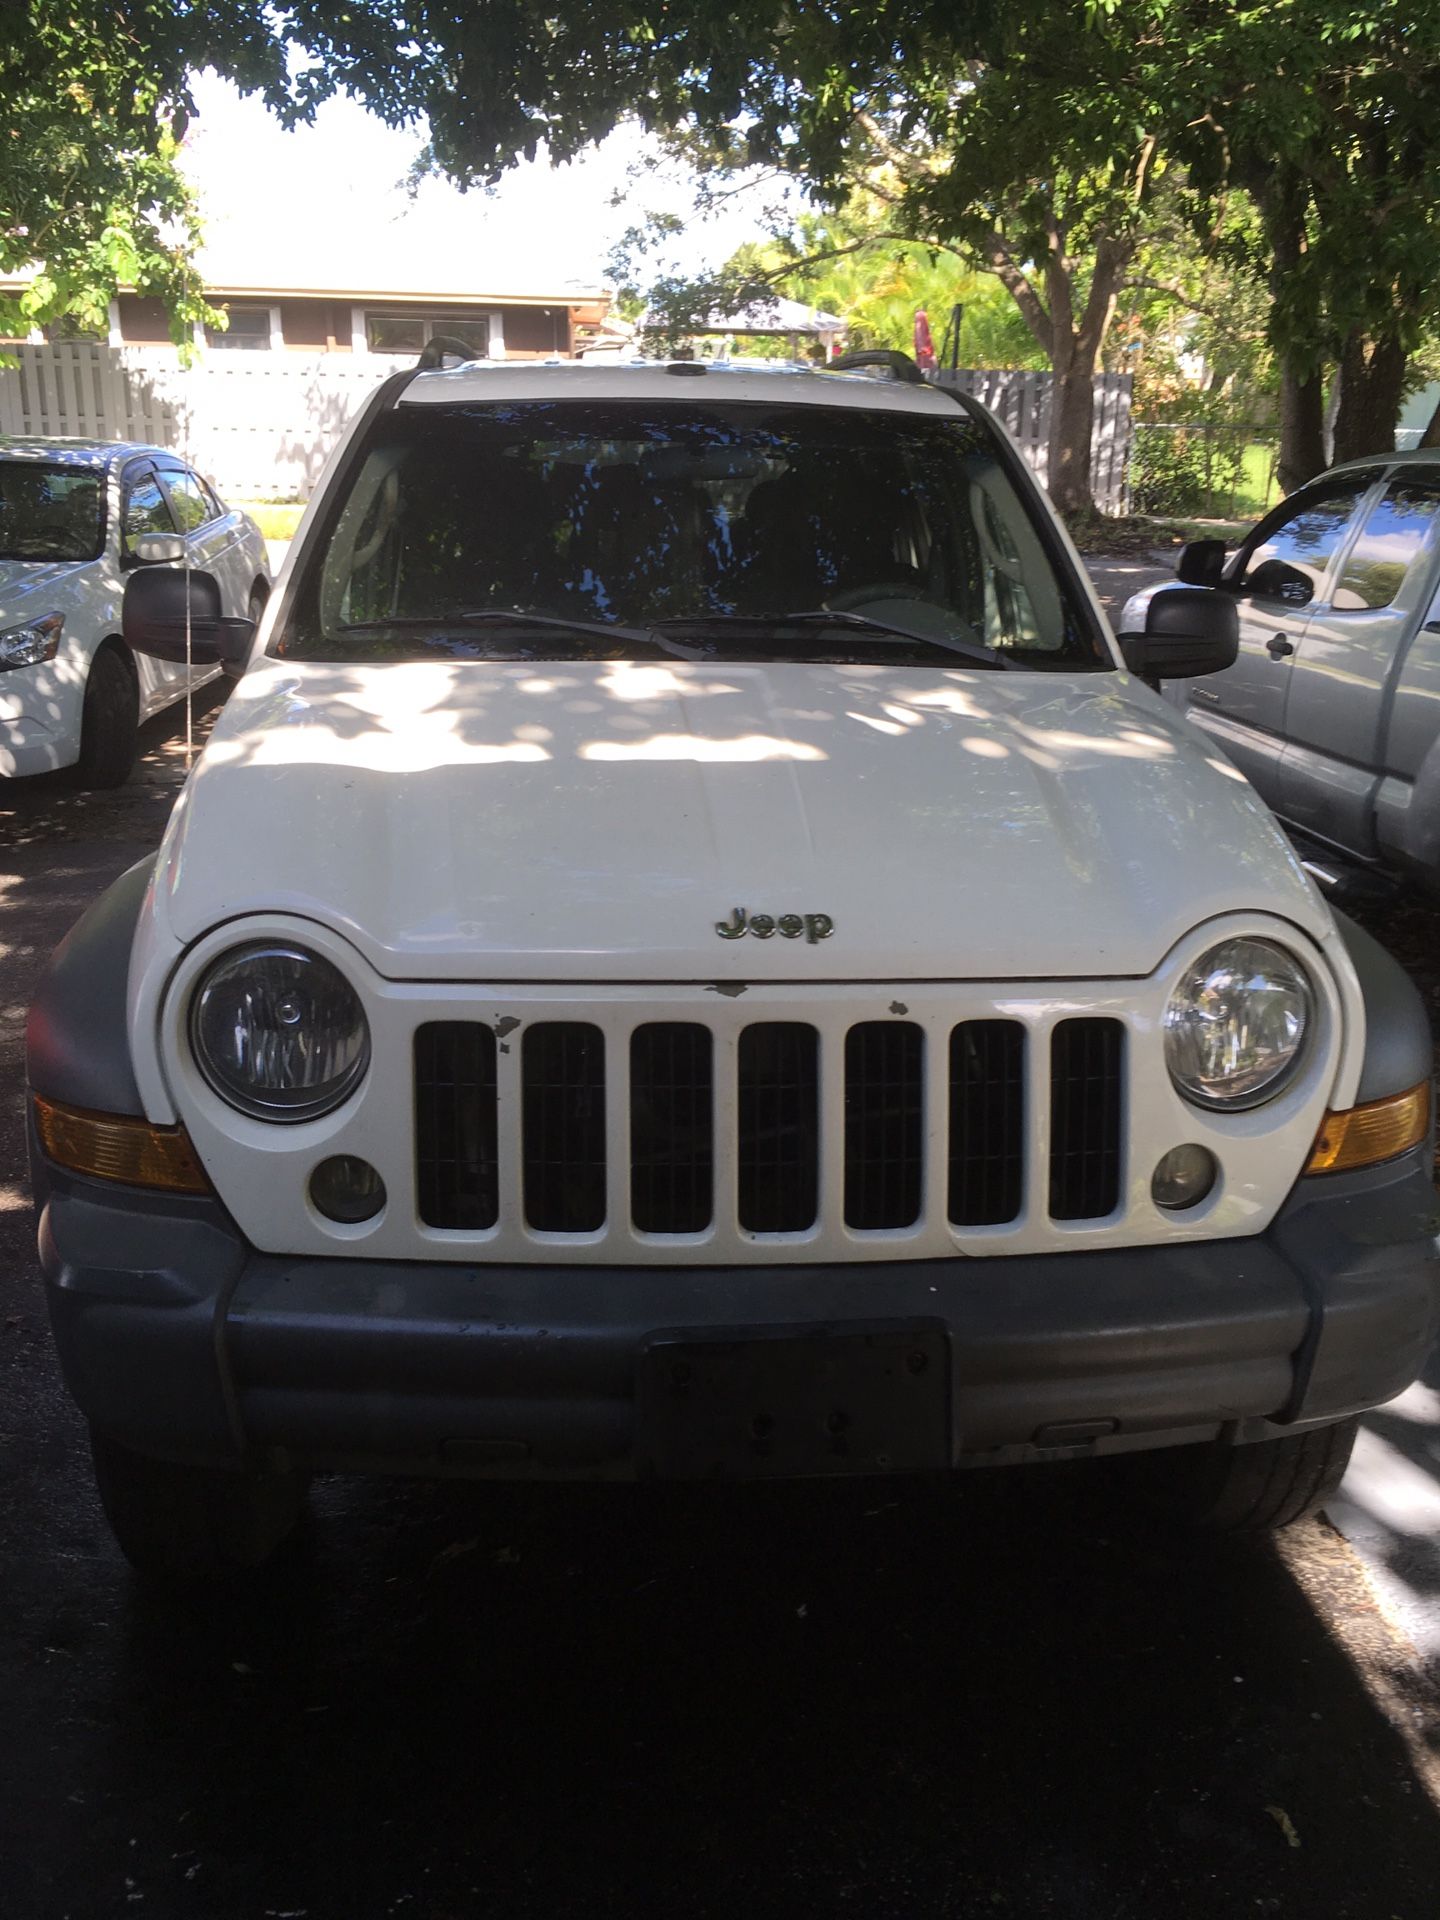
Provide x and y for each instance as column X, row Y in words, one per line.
column 1009, row 1696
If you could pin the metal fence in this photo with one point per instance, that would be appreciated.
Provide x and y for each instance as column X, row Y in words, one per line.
column 1022, row 402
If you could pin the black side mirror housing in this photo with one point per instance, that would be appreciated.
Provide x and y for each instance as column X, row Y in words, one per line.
column 1188, row 631
column 1201, row 563
column 153, row 613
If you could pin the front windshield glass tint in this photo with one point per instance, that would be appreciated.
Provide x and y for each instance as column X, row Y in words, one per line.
column 704, row 525
column 50, row 513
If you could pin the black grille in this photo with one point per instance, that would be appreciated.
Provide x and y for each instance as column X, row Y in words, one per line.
column 563, row 1070
column 672, row 1088
column 884, row 1124
column 779, row 1115
column 987, row 1122
column 456, row 1175
column 1085, row 1117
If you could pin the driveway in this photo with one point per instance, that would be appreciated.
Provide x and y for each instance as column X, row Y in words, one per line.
column 1006, row 1697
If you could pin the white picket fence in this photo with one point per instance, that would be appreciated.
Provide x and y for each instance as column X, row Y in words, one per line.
column 1022, row 401
column 261, row 424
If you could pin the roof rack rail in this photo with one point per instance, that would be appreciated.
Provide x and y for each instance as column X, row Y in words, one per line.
column 901, row 366
column 441, row 347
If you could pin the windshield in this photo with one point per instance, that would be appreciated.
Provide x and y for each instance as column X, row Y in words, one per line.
column 51, row 513
column 735, row 531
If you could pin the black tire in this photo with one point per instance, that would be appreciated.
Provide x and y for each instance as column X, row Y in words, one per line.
column 190, row 1526
column 1253, row 1489
column 109, row 724
column 255, row 608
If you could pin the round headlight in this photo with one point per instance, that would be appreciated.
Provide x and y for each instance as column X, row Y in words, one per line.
column 1235, row 1026
column 279, row 1032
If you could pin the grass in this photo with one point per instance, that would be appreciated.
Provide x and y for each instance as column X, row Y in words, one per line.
column 277, row 520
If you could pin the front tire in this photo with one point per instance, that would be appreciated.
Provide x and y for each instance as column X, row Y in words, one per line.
column 189, row 1526
column 1256, row 1488
column 109, row 723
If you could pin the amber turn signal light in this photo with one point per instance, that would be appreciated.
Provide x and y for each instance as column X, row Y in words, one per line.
column 112, row 1146
column 1363, row 1136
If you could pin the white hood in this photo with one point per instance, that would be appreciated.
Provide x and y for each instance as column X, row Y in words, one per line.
column 593, row 822
column 20, row 579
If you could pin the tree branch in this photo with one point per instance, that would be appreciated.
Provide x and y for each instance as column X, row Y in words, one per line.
column 1032, row 308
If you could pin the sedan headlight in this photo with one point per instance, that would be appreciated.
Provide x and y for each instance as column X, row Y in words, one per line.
column 279, row 1032
column 1235, row 1026
column 27, row 646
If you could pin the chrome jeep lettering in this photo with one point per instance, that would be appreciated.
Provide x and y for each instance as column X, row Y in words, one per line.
column 764, row 926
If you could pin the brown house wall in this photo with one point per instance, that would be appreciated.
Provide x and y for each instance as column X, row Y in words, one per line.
column 143, row 322
column 536, row 330
column 313, row 324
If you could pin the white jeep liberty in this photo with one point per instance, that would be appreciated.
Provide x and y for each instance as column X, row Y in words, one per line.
column 690, row 953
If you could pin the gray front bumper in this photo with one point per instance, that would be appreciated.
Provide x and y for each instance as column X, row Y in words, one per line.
column 178, row 1339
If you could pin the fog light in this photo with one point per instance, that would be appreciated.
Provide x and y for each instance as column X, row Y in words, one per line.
column 346, row 1189
column 1183, row 1178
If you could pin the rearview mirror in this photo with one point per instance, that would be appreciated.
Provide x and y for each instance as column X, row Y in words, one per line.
column 1201, row 563
column 1188, row 631
column 153, row 615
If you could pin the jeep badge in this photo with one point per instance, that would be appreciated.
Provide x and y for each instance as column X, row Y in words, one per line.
column 790, row 926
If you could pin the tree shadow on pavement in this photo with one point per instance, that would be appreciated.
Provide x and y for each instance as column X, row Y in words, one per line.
column 886, row 1699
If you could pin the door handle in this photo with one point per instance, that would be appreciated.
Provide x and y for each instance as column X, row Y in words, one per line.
column 1277, row 646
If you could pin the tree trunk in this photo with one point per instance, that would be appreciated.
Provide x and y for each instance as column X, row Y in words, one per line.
column 1284, row 197
column 1431, row 436
column 1072, row 424
column 1371, row 385
column 1302, row 428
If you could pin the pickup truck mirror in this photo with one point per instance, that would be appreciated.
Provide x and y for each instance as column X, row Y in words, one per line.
column 152, row 619
column 1201, row 563
column 1188, row 631
column 1278, row 580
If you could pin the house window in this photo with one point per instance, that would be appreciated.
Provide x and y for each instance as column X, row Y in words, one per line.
column 408, row 332
column 249, row 330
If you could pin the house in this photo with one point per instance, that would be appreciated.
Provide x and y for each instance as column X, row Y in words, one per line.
column 299, row 294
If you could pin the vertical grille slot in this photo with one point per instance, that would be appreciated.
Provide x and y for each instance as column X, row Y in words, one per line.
column 779, row 1120
column 987, row 1122
column 563, row 1074
column 456, row 1160
column 884, row 1095
column 1086, row 1059
column 672, row 1147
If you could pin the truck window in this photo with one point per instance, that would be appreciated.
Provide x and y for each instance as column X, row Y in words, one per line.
column 1388, row 544
column 1309, row 532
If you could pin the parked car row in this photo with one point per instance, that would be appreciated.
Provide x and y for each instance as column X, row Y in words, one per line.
column 77, row 517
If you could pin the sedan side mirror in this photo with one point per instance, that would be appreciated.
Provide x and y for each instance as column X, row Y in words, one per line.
column 1188, row 631
column 152, row 619
column 153, row 549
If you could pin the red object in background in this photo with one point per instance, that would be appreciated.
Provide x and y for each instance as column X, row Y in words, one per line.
column 924, row 345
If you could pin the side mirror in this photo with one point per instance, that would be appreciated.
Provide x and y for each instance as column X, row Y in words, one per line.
column 1188, row 631
column 1201, row 563
column 152, row 619
column 1278, row 580
column 153, row 549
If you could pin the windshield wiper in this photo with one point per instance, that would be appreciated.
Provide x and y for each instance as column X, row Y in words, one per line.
column 522, row 617
column 842, row 617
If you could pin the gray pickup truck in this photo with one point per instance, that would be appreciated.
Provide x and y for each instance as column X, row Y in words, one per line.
column 1332, row 708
